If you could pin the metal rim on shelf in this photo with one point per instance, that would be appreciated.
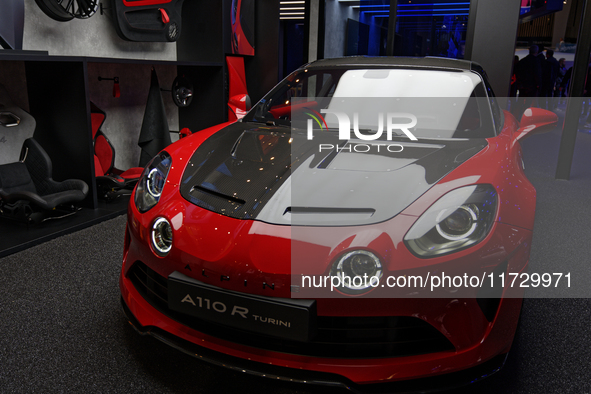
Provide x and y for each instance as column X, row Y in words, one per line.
column 66, row 10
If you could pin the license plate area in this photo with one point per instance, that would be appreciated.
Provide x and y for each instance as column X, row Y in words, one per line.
column 278, row 317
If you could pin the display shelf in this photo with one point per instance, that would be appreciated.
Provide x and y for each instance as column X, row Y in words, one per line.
column 57, row 91
column 13, row 53
column 44, row 57
column 18, row 236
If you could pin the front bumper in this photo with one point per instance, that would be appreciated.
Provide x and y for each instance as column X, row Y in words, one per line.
column 425, row 385
column 479, row 336
column 353, row 373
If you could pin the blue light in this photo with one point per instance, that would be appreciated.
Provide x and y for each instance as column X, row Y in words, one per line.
column 433, row 15
column 374, row 12
column 374, row 6
column 405, row 15
column 402, row 12
column 437, row 10
column 430, row 4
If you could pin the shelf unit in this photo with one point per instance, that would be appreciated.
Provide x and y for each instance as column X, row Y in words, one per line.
column 58, row 96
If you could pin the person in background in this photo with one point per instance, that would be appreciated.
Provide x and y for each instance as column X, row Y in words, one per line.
column 513, row 90
column 559, row 92
column 587, row 95
column 549, row 74
column 564, row 85
column 529, row 78
column 560, row 45
column 542, row 59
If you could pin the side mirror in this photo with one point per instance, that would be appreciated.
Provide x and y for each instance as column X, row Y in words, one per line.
column 535, row 121
column 241, row 101
column 239, row 104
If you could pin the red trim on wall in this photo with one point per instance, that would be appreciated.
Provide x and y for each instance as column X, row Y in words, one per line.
column 138, row 3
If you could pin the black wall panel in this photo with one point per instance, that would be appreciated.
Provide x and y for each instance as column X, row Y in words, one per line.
column 202, row 37
column 57, row 100
column 262, row 70
column 208, row 106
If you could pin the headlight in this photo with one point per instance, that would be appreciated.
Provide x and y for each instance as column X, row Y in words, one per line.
column 459, row 219
column 161, row 236
column 358, row 271
column 151, row 183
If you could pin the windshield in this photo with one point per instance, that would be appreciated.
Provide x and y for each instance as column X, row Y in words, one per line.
column 436, row 103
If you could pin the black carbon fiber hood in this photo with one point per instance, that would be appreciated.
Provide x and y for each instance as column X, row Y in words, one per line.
column 253, row 171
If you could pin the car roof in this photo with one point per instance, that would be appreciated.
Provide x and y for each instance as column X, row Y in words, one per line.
column 395, row 62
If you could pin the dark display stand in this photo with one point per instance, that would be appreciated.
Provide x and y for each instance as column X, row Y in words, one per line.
column 62, row 119
column 59, row 100
column 18, row 236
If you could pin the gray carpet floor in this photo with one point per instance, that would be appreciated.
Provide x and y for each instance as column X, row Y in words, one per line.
column 62, row 329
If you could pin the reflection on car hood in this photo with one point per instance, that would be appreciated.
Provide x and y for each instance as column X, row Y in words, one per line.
column 269, row 173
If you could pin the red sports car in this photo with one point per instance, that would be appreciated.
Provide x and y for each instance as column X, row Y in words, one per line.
column 354, row 228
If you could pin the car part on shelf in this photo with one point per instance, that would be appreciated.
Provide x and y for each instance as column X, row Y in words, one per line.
column 16, row 125
column 66, row 10
column 147, row 20
column 28, row 192
column 182, row 91
column 111, row 182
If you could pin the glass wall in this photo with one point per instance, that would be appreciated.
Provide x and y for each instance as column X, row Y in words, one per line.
column 431, row 28
column 423, row 27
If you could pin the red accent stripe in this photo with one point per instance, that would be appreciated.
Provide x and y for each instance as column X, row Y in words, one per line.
column 139, row 3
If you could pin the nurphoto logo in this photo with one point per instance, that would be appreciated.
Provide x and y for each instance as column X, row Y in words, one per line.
column 392, row 121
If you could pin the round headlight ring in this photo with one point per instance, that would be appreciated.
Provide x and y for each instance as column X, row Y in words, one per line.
column 161, row 236
column 155, row 182
column 466, row 212
column 359, row 271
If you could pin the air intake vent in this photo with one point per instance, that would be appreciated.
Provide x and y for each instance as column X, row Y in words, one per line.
column 338, row 337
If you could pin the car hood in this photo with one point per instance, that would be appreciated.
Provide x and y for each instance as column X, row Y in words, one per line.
column 275, row 175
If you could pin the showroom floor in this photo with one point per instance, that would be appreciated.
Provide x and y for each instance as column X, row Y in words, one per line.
column 62, row 329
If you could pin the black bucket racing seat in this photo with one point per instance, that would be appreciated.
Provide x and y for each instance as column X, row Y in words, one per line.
column 27, row 191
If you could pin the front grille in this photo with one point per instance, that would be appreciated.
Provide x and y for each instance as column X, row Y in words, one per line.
column 337, row 337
